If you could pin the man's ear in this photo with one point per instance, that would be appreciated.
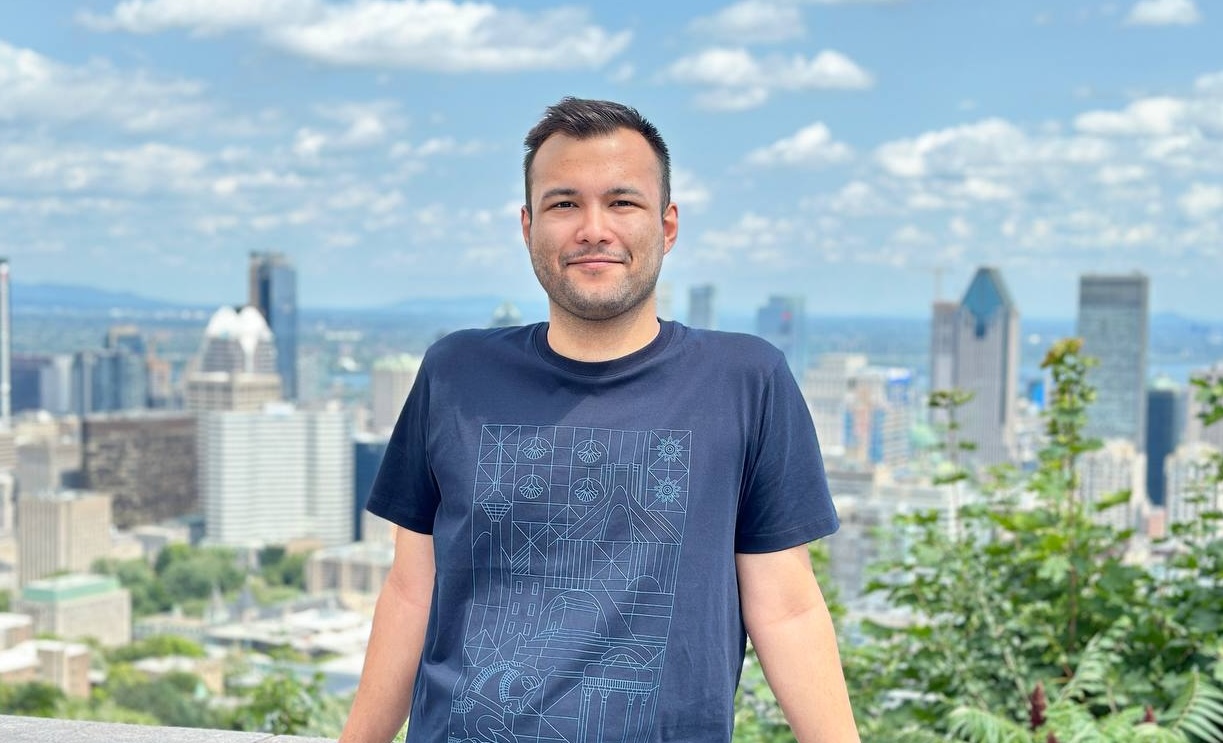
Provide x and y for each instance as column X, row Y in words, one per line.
column 525, row 216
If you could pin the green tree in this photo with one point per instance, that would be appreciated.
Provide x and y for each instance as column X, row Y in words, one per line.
column 1021, row 584
column 157, row 646
column 32, row 699
column 175, row 699
column 187, row 573
column 148, row 594
column 281, row 703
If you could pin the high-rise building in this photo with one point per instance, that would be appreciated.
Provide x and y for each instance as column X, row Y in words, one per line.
column 701, row 309
column 391, row 380
column 1165, row 422
column 975, row 348
column 273, row 291
column 1191, row 490
column 79, row 606
column 55, row 390
column 146, row 460
column 368, row 451
column 1115, row 467
column 275, row 476
column 782, row 322
column 664, row 301
column 109, row 379
column 61, row 531
column 27, row 373
column 1113, row 325
column 1195, row 429
column 6, row 347
column 237, row 364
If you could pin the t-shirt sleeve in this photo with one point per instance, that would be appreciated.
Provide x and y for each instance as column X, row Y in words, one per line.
column 785, row 501
column 404, row 491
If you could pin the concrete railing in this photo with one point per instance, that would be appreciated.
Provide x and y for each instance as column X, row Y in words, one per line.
column 44, row 730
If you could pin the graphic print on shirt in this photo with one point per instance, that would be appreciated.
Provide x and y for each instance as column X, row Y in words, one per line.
column 576, row 536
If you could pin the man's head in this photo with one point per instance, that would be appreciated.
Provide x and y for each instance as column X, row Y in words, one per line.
column 582, row 118
column 599, row 218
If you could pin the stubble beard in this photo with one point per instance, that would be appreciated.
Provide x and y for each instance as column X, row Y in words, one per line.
column 594, row 305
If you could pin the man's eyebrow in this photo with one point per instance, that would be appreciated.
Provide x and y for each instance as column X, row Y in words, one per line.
column 570, row 191
column 623, row 191
column 558, row 191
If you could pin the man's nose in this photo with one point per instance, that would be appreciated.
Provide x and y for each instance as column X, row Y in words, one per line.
column 595, row 227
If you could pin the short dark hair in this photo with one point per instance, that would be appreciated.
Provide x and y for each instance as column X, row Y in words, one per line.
column 583, row 118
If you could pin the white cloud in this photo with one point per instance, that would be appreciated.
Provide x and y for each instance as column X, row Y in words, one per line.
column 810, row 146
column 1210, row 85
column 37, row 88
column 1144, row 117
column 58, row 168
column 952, row 151
column 1163, row 13
column 1202, row 201
column 1117, row 175
column 738, row 80
column 752, row 21
column 427, row 34
column 689, row 191
column 959, row 227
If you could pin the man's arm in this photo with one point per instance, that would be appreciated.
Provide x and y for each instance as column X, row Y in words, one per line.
column 384, row 693
column 789, row 624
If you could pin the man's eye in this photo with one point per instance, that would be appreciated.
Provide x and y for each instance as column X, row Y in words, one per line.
column 563, row 205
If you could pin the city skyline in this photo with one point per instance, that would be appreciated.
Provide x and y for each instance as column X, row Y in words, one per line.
column 863, row 155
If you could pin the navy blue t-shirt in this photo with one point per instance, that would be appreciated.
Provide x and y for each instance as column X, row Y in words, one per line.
column 585, row 520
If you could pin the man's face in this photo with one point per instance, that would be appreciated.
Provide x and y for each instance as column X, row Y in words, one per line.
column 596, row 231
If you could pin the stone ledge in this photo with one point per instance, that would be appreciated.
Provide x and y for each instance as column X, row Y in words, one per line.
column 41, row 729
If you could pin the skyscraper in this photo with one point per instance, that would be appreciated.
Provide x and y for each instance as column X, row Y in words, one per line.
column 6, row 348
column 390, row 382
column 701, row 312
column 782, row 322
column 975, row 348
column 1113, row 326
column 146, row 459
column 61, row 531
column 237, row 364
column 1165, row 422
column 277, row 475
column 273, row 291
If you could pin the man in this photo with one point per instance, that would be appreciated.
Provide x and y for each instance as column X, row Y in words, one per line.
column 593, row 510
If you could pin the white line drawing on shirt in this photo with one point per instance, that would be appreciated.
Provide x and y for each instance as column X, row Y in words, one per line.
column 575, row 575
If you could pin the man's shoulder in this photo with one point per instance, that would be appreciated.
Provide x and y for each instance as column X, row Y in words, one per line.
column 463, row 343
column 738, row 349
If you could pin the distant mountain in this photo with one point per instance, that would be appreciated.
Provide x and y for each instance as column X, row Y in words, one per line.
column 75, row 297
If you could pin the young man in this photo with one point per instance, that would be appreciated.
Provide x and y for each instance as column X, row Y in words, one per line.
column 594, row 510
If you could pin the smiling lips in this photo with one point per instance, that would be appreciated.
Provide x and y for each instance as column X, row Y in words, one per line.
column 594, row 260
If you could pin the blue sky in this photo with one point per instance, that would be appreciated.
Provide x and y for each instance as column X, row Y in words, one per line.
column 860, row 153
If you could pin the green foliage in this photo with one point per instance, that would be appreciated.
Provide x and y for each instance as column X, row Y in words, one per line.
column 281, row 703
column 174, row 699
column 189, row 573
column 148, row 594
column 758, row 718
column 1026, row 589
column 32, row 699
column 279, row 568
column 6, row 601
column 158, row 646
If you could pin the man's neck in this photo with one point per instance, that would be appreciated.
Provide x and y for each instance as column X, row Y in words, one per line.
column 601, row 340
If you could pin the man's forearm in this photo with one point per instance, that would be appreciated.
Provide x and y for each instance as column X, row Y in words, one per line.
column 385, row 690
column 384, row 693
column 803, row 667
